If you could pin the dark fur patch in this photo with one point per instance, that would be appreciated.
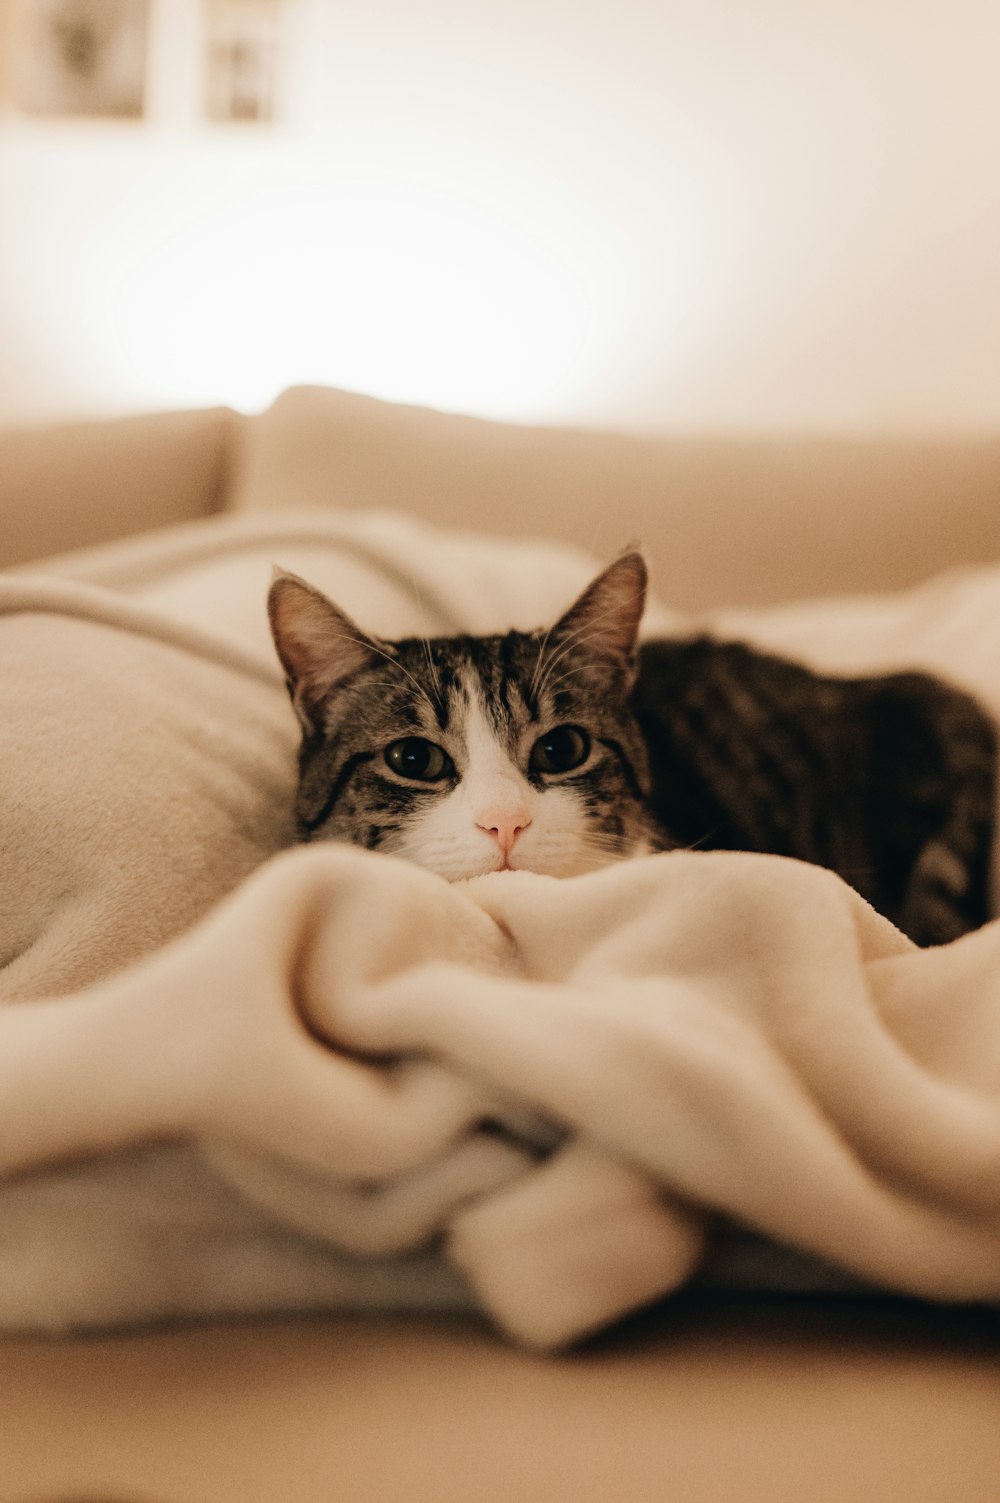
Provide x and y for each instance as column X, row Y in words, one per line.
column 889, row 780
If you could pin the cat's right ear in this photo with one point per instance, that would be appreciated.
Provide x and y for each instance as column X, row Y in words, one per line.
column 319, row 646
column 605, row 619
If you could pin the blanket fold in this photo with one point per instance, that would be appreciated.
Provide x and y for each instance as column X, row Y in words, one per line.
column 347, row 1030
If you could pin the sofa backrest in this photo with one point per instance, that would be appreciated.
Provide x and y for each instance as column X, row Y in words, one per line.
column 724, row 520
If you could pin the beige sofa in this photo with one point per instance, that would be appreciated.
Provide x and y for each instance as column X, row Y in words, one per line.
column 709, row 1397
column 725, row 520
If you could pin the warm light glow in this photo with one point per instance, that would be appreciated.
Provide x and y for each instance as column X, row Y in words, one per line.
column 662, row 216
column 385, row 288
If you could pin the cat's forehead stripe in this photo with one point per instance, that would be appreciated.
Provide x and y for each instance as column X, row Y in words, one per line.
column 487, row 742
column 488, row 689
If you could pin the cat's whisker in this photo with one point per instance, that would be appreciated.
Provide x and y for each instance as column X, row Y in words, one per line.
column 563, row 646
column 372, row 647
column 538, row 662
column 662, row 840
column 601, row 842
column 432, row 672
column 557, row 658
column 425, row 641
column 687, row 850
column 564, row 677
column 600, row 603
column 573, row 640
column 565, row 642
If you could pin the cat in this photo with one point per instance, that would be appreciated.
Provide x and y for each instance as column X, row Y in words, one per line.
column 561, row 751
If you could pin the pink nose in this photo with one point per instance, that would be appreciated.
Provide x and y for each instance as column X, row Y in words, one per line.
column 505, row 825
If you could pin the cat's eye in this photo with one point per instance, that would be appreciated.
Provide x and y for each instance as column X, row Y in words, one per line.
column 421, row 760
column 560, row 750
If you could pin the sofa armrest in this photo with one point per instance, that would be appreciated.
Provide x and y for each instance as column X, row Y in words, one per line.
column 76, row 484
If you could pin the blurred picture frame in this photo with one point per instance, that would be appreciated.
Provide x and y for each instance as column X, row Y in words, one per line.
column 79, row 58
column 240, row 60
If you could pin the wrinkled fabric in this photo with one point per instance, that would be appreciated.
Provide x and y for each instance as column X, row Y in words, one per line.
column 236, row 1079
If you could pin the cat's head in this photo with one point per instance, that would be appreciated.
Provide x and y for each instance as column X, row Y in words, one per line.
column 470, row 755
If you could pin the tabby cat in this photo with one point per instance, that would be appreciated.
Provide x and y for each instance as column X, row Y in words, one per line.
column 563, row 750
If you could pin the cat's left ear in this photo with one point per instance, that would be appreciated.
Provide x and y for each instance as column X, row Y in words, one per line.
column 318, row 644
column 605, row 620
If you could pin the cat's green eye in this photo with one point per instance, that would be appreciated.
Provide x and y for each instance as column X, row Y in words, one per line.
column 421, row 760
column 560, row 750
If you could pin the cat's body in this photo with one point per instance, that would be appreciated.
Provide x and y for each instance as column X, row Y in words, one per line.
column 889, row 780
column 558, row 752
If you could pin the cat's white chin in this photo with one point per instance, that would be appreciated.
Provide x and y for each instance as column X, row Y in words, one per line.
column 561, row 865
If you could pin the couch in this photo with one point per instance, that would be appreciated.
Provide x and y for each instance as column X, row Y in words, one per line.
column 735, row 1392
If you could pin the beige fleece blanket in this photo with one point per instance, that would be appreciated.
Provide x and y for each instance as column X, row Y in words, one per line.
column 353, row 1083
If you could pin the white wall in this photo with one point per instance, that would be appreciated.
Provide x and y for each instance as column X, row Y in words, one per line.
column 658, row 213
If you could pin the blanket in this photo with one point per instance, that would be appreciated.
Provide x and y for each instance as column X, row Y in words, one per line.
column 237, row 1077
